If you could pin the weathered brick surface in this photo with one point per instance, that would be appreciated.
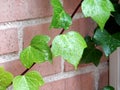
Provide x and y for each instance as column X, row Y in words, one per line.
column 15, row 67
column 47, row 68
column 71, row 5
column 11, row 10
column 8, row 41
column 69, row 67
column 31, row 31
column 85, row 26
column 79, row 82
column 104, row 78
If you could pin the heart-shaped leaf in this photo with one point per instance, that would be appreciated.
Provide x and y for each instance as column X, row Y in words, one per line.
column 31, row 81
column 108, row 43
column 37, row 52
column 91, row 54
column 60, row 18
column 98, row 10
column 5, row 79
column 70, row 46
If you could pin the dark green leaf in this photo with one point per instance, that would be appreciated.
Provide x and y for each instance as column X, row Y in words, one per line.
column 108, row 43
column 91, row 54
column 117, row 18
column 114, row 1
column 108, row 88
column 98, row 10
column 31, row 81
column 116, row 14
column 116, row 36
column 5, row 79
column 37, row 52
column 60, row 18
column 70, row 46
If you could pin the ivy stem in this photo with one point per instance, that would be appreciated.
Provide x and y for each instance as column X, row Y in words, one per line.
column 73, row 14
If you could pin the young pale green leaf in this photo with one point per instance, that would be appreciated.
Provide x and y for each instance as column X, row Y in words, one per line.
column 98, row 10
column 2, row 88
column 70, row 46
column 60, row 18
column 5, row 79
column 31, row 81
column 37, row 52
column 108, row 43
column 40, row 42
column 91, row 54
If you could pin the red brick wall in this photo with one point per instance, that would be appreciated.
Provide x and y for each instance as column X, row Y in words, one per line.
column 20, row 20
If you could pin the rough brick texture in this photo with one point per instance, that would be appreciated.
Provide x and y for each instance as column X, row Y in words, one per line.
column 8, row 41
column 18, row 17
column 15, row 67
column 71, row 5
column 11, row 10
column 31, row 31
column 85, row 26
column 79, row 82
column 104, row 78
column 48, row 68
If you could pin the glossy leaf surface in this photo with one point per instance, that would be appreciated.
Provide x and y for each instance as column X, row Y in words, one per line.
column 98, row 10
column 60, row 18
column 37, row 52
column 91, row 54
column 108, row 43
column 70, row 46
column 5, row 79
column 31, row 81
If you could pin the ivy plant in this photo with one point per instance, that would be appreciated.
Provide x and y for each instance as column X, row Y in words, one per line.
column 72, row 46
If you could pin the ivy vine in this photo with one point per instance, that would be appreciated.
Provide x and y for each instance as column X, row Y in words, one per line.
column 74, row 48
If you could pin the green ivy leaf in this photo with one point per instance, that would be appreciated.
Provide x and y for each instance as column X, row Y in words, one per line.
column 98, row 10
column 31, row 81
column 108, row 43
column 37, row 52
column 60, row 18
column 2, row 88
column 5, row 79
column 40, row 42
column 116, row 14
column 108, row 88
column 91, row 54
column 70, row 46
column 116, row 36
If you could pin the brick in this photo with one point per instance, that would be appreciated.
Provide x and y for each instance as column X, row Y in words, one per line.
column 104, row 78
column 9, row 41
column 85, row 26
column 79, row 82
column 57, row 85
column 24, row 9
column 47, row 68
column 15, row 67
column 69, row 67
column 31, row 31
column 71, row 5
